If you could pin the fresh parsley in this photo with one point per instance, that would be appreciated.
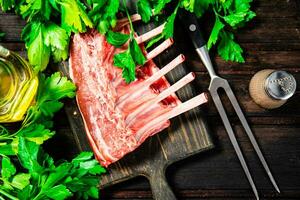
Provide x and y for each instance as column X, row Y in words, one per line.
column 144, row 9
column 103, row 14
column 228, row 49
column 49, row 26
column 43, row 179
column 117, row 39
column 131, row 57
column 51, row 22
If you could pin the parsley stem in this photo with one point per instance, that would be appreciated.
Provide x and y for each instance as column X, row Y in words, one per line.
column 129, row 19
column 8, row 195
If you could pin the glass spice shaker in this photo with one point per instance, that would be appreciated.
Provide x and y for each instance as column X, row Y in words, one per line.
column 271, row 89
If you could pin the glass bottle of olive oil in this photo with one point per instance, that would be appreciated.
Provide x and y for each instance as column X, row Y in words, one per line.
column 18, row 86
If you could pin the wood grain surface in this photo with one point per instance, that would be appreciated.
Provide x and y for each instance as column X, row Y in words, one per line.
column 272, row 40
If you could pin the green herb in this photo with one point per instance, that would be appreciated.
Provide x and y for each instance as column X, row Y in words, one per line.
column 117, row 39
column 73, row 16
column 45, row 179
column 218, row 26
column 159, row 5
column 103, row 14
column 128, row 59
column 228, row 13
column 6, row 4
column 169, row 27
column 228, row 49
column 145, row 10
column 38, row 51
column 44, row 37
column 50, row 91
column 131, row 57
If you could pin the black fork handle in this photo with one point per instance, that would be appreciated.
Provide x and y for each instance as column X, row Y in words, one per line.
column 190, row 23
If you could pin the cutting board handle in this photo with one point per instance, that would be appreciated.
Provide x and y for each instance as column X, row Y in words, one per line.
column 160, row 188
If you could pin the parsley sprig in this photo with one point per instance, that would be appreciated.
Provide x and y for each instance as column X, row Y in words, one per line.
column 42, row 178
column 131, row 57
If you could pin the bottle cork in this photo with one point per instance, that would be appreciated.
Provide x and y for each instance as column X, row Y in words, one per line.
column 270, row 88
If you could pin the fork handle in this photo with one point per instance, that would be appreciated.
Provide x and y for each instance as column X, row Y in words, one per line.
column 190, row 23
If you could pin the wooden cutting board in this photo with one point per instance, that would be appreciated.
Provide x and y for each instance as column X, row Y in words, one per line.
column 187, row 135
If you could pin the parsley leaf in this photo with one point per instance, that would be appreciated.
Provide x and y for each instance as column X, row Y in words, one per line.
column 136, row 53
column 7, row 168
column 35, row 9
column 145, row 10
column 235, row 18
column 159, row 5
column 103, row 14
column 58, row 192
column 58, row 40
column 38, row 51
column 169, row 26
column 36, row 133
column 240, row 13
column 43, row 38
column 128, row 59
column 20, row 181
column 116, row 39
column 125, row 61
column 218, row 26
column 11, row 180
column 73, row 16
column 228, row 49
column 7, row 4
column 28, row 156
column 48, row 180
column 196, row 6
column 50, row 91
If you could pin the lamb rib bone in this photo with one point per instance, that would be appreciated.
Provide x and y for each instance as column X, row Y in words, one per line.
column 159, row 49
column 124, row 21
column 181, row 108
column 147, row 106
column 149, row 56
column 178, row 60
column 147, row 36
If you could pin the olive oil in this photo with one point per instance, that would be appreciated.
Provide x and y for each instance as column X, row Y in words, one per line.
column 18, row 86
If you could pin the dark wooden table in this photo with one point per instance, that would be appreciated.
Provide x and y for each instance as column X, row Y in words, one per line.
column 272, row 41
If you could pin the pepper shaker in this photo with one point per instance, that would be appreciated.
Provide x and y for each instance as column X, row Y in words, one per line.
column 272, row 88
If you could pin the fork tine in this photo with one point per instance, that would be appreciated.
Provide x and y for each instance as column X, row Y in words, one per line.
column 233, row 139
column 245, row 124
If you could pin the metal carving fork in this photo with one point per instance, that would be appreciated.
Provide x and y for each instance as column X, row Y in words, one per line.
column 191, row 24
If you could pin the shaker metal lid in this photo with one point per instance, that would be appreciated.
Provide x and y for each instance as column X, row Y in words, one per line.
column 280, row 85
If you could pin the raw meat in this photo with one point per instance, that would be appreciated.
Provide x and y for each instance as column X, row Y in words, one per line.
column 119, row 117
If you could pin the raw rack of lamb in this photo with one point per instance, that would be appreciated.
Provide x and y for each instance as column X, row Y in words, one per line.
column 119, row 117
